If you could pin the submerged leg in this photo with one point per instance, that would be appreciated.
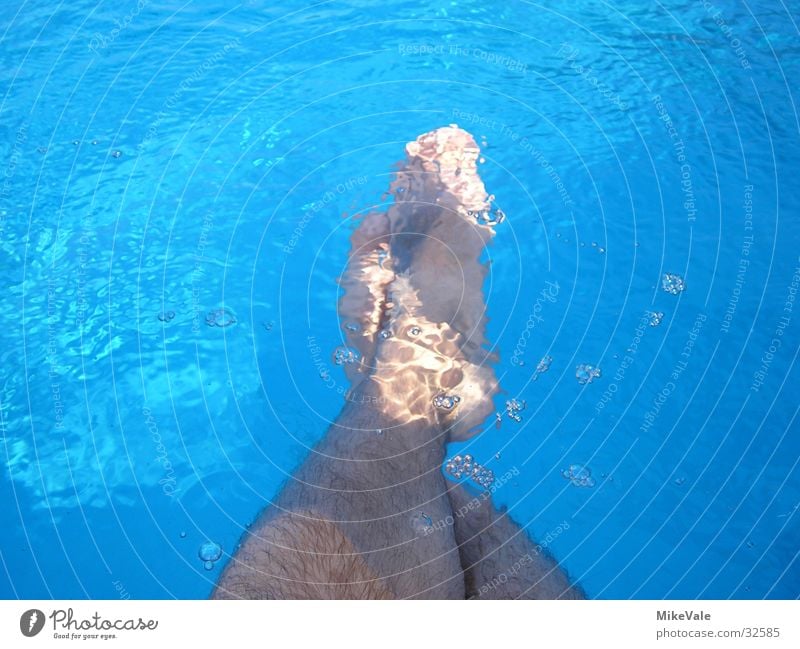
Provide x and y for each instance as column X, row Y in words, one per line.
column 499, row 560
column 350, row 523
column 360, row 517
column 353, row 521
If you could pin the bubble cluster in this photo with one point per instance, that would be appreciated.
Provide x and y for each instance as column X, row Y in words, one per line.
column 352, row 326
column 486, row 217
column 221, row 317
column 421, row 523
column 514, row 407
column 344, row 355
column 579, row 475
column 166, row 316
column 655, row 318
column 446, row 401
column 542, row 366
column 673, row 283
column 466, row 467
column 587, row 373
column 209, row 553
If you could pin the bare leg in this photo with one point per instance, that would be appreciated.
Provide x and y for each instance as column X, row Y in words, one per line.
column 352, row 522
column 348, row 524
column 499, row 560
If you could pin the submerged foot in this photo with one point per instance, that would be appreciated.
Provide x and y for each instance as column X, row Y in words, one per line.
column 413, row 304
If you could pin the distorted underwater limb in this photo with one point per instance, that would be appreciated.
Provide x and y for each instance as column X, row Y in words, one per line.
column 369, row 514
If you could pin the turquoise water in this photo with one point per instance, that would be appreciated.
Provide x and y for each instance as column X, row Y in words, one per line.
column 164, row 160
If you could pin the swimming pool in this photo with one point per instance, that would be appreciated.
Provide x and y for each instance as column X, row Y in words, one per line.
column 176, row 177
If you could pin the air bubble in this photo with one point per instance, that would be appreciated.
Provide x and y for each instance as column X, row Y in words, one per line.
column 446, row 401
column 485, row 478
column 586, row 373
column 459, row 467
column 352, row 326
column 579, row 475
column 673, row 283
column 166, row 316
column 542, row 366
column 209, row 552
column 385, row 333
column 414, row 331
column 514, row 407
column 487, row 218
column 222, row 317
column 344, row 355
column 208, row 565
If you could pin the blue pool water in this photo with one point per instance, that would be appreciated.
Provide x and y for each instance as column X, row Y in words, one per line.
column 165, row 159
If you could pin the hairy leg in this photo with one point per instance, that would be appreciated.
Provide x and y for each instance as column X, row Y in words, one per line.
column 353, row 521
column 499, row 560
column 350, row 523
